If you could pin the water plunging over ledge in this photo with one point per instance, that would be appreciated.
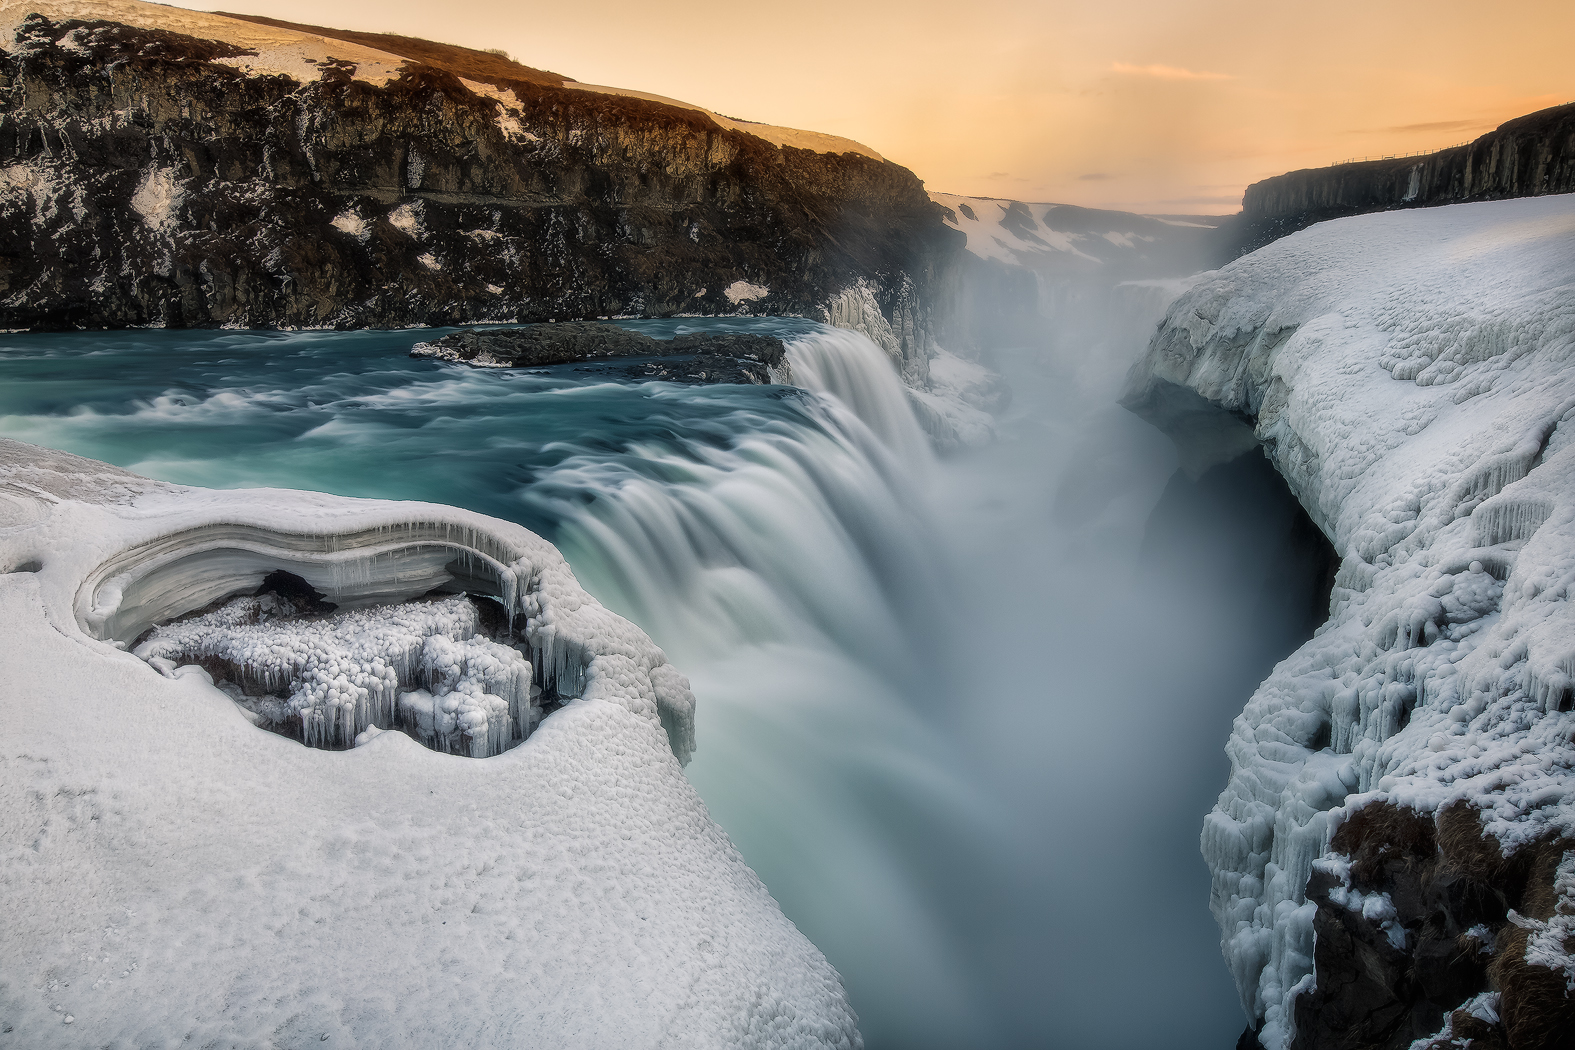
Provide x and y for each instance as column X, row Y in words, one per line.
column 964, row 731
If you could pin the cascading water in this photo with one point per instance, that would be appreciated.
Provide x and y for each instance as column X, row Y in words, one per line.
column 935, row 710
column 852, row 370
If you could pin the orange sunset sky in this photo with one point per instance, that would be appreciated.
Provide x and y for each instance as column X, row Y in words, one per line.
column 1141, row 105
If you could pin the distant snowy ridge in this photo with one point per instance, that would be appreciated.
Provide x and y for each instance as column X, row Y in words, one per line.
column 1080, row 277
column 1065, row 237
column 1404, row 784
column 171, row 873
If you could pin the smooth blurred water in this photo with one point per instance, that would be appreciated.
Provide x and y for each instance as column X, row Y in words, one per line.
column 959, row 726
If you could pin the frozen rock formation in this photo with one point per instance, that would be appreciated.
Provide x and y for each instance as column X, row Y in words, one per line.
column 426, row 667
column 1391, row 854
column 172, row 875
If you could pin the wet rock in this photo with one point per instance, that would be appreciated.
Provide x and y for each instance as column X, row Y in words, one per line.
column 697, row 357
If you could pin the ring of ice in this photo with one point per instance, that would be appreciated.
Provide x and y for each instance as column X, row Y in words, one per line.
column 379, row 664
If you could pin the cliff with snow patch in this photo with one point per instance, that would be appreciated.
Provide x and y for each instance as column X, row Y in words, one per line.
column 167, row 167
column 1394, row 854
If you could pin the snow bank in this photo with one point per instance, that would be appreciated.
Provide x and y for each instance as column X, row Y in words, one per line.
column 1410, row 375
column 172, row 875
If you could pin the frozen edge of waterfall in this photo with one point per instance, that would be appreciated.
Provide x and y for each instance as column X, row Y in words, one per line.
column 1407, row 373
column 155, row 551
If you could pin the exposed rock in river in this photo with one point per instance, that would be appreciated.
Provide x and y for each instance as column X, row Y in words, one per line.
column 696, row 357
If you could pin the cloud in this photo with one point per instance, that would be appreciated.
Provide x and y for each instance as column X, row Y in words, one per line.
column 1445, row 125
column 1095, row 176
column 1230, row 198
column 1165, row 72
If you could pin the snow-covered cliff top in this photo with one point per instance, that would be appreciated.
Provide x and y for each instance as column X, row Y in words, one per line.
column 285, row 50
column 172, row 873
column 1065, row 237
column 1410, row 373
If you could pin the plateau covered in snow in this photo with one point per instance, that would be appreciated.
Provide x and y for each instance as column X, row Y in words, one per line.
column 1067, row 240
column 173, row 875
column 1392, row 853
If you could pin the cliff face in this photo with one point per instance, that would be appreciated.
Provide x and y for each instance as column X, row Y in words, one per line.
column 1393, row 857
column 1526, row 157
column 151, row 177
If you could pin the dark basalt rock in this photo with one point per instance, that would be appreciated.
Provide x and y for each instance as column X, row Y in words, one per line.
column 148, row 182
column 696, row 357
column 1452, row 890
column 1525, row 157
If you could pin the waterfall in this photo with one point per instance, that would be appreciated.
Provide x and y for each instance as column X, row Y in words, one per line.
column 849, row 367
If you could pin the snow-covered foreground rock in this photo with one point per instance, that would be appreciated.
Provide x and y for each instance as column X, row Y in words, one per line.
column 1395, row 839
column 173, row 876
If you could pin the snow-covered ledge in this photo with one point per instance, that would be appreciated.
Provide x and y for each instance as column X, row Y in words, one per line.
column 1402, row 784
column 171, row 873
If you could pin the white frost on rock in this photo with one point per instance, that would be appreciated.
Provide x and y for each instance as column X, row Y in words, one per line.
column 959, row 409
column 1545, row 945
column 171, row 874
column 407, row 220
column 855, row 309
column 158, row 199
column 744, row 292
column 278, row 51
column 1410, row 375
column 350, row 222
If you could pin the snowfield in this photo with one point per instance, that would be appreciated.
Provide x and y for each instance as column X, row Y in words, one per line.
column 1412, row 375
column 175, row 876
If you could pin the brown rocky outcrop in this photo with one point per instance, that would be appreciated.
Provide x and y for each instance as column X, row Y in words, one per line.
column 1387, row 979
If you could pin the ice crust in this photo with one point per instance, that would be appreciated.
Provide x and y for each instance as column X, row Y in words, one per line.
column 1410, row 374
column 173, row 876
column 424, row 667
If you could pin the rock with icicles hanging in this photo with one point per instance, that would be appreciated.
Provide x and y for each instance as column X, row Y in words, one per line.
column 426, row 667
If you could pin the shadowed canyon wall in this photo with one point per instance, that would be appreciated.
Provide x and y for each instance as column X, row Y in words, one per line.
column 155, row 178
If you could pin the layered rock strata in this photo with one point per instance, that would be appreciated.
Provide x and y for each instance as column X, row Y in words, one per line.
column 1393, row 857
column 1526, row 157
column 164, row 167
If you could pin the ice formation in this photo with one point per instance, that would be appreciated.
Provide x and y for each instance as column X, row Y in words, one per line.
column 1409, row 373
column 173, row 875
column 425, row 667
